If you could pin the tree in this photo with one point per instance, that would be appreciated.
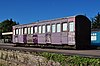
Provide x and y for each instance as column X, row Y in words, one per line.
column 96, row 22
column 6, row 25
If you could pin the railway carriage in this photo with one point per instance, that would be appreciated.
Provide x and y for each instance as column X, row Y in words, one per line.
column 95, row 37
column 70, row 31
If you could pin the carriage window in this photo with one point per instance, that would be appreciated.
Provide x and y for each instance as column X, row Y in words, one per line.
column 71, row 26
column 35, row 29
column 64, row 26
column 58, row 27
column 93, row 37
column 19, row 31
column 53, row 28
column 48, row 28
column 31, row 30
column 43, row 29
column 16, row 31
column 39, row 29
column 22, row 31
column 25, row 30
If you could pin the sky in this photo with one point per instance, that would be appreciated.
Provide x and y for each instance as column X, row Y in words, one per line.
column 28, row 11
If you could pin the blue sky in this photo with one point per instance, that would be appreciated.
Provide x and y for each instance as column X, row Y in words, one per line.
column 28, row 11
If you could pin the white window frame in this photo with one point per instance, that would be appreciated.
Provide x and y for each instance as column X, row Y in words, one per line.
column 64, row 28
column 35, row 29
column 71, row 26
column 31, row 30
column 43, row 29
column 53, row 28
column 39, row 29
column 16, row 30
column 58, row 27
column 13, row 31
column 25, row 30
column 22, row 31
column 19, row 31
column 48, row 28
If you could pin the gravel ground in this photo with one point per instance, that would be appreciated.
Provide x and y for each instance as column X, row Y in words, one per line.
column 16, row 58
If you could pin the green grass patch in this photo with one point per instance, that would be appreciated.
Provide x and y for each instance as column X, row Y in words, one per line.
column 71, row 60
column 2, row 65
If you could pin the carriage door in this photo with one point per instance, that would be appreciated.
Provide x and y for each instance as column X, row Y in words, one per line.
column 25, row 35
column 35, row 39
column 48, row 38
column 25, row 38
column 35, row 36
column 48, row 35
column 71, row 33
column 64, row 33
column 16, row 38
column 16, row 35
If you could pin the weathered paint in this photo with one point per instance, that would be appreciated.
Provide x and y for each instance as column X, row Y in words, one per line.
column 66, row 37
column 35, row 39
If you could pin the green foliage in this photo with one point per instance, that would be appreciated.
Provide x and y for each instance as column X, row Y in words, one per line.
column 96, row 22
column 55, row 57
column 2, row 65
column 6, row 25
column 71, row 60
column 77, row 60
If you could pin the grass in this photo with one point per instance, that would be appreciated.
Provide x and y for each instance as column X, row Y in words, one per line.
column 71, row 60
column 2, row 65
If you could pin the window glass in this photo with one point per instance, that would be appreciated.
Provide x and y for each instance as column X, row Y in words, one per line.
column 39, row 29
column 53, row 28
column 25, row 30
column 93, row 37
column 48, row 28
column 19, row 31
column 31, row 30
column 71, row 26
column 35, row 29
column 22, row 31
column 16, row 31
column 58, row 27
column 64, row 26
column 43, row 29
